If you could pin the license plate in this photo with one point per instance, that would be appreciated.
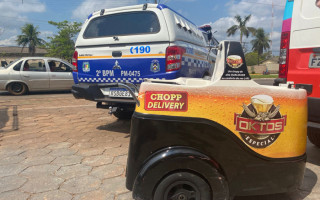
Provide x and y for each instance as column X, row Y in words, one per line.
column 314, row 61
column 119, row 92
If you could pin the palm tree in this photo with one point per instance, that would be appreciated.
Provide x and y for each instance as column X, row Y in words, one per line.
column 29, row 37
column 261, row 42
column 242, row 27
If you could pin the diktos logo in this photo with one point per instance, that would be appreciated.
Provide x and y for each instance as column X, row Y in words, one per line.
column 261, row 123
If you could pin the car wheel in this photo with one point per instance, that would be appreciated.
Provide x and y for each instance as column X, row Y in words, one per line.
column 182, row 186
column 123, row 113
column 314, row 136
column 17, row 88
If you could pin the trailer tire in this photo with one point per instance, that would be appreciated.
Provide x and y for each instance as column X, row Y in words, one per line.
column 314, row 136
column 182, row 185
column 122, row 113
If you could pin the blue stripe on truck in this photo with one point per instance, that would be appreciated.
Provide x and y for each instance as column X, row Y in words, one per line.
column 288, row 10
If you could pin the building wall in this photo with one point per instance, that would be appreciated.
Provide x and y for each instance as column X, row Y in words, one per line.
column 10, row 58
column 259, row 69
column 12, row 53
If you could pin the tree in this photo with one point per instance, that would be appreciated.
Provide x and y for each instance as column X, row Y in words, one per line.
column 261, row 42
column 62, row 44
column 242, row 27
column 30, row 37
column 252, row 57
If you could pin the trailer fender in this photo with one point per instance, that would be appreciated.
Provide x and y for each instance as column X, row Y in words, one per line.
column 174, row 159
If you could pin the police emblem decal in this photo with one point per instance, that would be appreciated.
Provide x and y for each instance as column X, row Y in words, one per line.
column 155, row 66
column 116, row 65
column 261, row 122
column 86, row 67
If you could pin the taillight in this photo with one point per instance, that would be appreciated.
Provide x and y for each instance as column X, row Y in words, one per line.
column 75, row 61
column 284, row 55
column 174, row 58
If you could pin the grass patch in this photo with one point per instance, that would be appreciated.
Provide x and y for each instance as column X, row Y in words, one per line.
column 264, row 76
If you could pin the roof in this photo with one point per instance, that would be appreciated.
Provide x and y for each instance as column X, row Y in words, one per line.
column 17, row 50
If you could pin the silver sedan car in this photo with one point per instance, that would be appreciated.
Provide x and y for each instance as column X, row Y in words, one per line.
column 36, row 74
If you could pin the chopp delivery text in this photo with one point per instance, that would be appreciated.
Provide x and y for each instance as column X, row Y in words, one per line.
column 166, row 101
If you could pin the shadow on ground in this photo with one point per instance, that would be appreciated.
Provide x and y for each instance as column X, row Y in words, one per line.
column 4, row 117
column 3, row 93
column 120, row 126
column 310, row 180
column 313, row 153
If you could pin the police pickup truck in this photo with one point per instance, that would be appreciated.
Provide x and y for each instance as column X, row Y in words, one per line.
column 129, row 44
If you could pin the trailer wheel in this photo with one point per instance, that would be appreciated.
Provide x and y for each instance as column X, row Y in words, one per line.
column 123, row 113
column 314, row 136
column 182, row 186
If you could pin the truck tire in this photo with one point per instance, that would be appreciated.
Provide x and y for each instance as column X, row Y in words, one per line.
column 314, row 136
column 17, row 88
column 182, row 186
column 122, row 113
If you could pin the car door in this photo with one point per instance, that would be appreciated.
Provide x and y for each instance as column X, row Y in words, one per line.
column 60, row 75
column 35, row 74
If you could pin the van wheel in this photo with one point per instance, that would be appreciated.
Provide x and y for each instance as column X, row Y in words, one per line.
column 123, row 113
column 17, row 88
column 314, row 136
column 182, row 186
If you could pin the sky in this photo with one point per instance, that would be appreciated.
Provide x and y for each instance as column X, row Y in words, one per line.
column 218, row 13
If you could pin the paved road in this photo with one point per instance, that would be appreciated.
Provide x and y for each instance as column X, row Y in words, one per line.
column 54, row 147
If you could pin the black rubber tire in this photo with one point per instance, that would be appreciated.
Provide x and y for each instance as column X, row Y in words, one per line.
column 123, row 114
column 314, row 136
column 182, row 186
column 17, row 88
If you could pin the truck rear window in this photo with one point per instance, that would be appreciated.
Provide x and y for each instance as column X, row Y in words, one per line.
column 130, row 23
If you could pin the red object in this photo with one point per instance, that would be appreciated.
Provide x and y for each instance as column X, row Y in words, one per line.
column 284, row 55
column 174, row 58
column 251, row 126
column 166, row 101
column 75, row 61
column 300, row 72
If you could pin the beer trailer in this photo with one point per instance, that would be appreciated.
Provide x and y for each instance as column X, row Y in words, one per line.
column 195, row 139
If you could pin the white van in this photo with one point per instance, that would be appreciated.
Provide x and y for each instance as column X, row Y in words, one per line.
column 300, row 56
column 130, row 44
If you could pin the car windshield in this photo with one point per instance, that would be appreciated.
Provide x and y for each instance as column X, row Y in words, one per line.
column 10, row 64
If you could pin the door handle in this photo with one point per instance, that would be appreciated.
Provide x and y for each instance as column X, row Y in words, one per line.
column 26, row 76
column 116, row 54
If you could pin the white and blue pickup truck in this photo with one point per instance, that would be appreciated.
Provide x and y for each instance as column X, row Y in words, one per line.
column 133, row 43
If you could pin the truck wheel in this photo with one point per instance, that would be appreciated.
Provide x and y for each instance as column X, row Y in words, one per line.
column 314, row 136
column 17, row 88
column 182, row 186
column 122, row 113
